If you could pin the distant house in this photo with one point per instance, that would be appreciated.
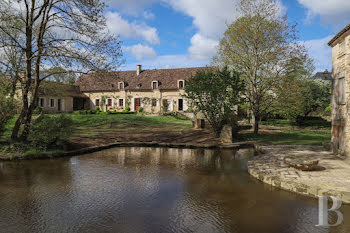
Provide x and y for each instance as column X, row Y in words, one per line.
column 341, row 90
column 325, row 75
column 57, row 97
column 153, row 90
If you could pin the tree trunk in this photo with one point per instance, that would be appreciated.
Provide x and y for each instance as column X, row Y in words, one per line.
column 256, row 124
column 19, row 121
column 22, row 115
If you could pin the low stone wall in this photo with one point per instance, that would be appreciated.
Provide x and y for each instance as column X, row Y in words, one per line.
column 331, row 178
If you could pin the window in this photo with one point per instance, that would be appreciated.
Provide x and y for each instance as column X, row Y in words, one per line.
column 42, row 102
column 154, row 102
column 181, row 84
column 154, row 85
column 97, row 102
column 121, row 85
column 109, row 102
column 121, row 102
column 341, row 90
column 342, row 47
column 52, row 103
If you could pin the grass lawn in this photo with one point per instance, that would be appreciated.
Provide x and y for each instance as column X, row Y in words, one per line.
column 289, row 137
column 97, row 124
column 97, row 129
column 306, row 124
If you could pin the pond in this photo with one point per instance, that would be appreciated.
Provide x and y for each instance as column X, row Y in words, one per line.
column 150, row 190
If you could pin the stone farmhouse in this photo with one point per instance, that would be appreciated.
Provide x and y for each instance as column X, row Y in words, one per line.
column 153, row 90
column 341, row 92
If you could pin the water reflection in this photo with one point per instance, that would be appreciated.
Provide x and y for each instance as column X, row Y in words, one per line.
column 149, row 190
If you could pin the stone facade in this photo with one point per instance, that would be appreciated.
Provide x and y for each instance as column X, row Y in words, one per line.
column 341, row 92
column 155, row 90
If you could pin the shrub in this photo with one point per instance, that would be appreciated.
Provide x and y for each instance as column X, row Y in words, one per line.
column 97, row 108
column 140, row 109
column 7, row 110
column 51, row 132
column 127, row 109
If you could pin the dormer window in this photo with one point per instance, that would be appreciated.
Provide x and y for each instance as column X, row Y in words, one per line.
column 181, row 84
column 154, row 85
column 121, row 85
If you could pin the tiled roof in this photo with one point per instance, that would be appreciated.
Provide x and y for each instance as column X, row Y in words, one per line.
column 167, row 79
column 347, row 28
column 323, row 76
column 48, row 88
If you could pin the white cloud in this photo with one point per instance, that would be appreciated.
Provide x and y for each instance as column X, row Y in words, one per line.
column 167, row 62
column 331, row 11
column 130, row 7
column 119, row 26
column 148, row 15
column 140, row 51
column 320, row 52
column 211, row 19
column 202, row 48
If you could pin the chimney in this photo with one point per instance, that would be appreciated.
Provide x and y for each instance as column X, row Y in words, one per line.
column 325, row 74
column 139, row 69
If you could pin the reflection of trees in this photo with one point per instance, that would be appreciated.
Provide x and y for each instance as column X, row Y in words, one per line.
column 25, row 189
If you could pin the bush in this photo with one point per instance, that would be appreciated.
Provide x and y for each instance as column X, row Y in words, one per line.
column 7, row 110
column 140, row 109
column 51, row 132
column 97, row 109
column 127, row 109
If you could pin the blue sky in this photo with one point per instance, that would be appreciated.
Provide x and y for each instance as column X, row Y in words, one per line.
column 184, row 33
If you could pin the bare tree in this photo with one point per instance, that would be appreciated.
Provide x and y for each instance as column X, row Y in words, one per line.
column 71, row 34
column 261, row 45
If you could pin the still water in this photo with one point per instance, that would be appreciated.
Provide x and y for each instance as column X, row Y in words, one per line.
column 150, row 190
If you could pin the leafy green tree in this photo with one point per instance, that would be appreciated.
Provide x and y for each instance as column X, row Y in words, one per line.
column 7, row 107
column 215, row 93
column 261, row 45
column 67, row 33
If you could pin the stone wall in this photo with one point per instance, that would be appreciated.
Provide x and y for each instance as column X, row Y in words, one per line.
column 172, row 96
column 341, row 95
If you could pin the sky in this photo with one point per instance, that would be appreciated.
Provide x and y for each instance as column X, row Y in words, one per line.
column 162, row 34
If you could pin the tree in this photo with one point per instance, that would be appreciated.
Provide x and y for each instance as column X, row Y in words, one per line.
column 57, row 33
column 292, row 92
column 7, row 106
column 215, row 93
column 261, row 45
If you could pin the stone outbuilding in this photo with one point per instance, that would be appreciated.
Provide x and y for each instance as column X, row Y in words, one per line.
column 341, row 92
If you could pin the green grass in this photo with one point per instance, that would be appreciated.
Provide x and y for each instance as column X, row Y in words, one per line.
column 96, row 124
column 307, row 124
column 289, row 137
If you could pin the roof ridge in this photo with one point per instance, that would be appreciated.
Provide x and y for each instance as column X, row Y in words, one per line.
column 339, row 34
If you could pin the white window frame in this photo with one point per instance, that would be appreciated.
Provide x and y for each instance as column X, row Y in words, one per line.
column 157, row 86
column 111, row 102
column 178, row 84
column 54, row 103
column 119, row 102
column 99, row 102
column 122, row 84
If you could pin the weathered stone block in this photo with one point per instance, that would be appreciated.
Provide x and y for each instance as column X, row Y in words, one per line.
column 226, row 134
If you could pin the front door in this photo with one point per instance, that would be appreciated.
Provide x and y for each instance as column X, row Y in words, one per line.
column 59, row 105
column 181, row 104
column 137, row 103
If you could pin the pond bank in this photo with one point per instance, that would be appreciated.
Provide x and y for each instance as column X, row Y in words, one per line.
column 332, row 178
column 91, row 149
